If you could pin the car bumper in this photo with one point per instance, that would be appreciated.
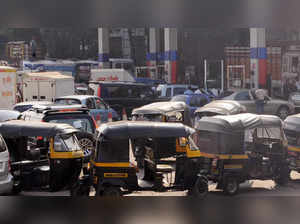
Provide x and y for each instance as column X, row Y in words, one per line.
column 6, row 186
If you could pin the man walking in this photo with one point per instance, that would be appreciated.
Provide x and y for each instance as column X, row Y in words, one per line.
column 260, row 101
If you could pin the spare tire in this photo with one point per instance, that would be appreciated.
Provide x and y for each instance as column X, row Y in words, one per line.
column 87, row 143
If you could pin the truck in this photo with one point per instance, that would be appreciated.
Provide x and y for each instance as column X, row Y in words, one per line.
column 111, row 75
column 8, row 87
column 46, row 86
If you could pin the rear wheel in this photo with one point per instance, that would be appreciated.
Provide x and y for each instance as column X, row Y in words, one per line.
column 231, row 186
column 200, row 189
column 86, row 143
column 284, row 176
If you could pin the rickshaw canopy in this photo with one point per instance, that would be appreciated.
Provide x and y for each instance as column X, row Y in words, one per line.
column 143, row 129
column 222, row 107
column 292, row 123
column 160, row 108
column 20, row 128
column 237, row 123
column 165, row 108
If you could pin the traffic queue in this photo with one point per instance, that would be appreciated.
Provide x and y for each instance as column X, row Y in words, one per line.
column 51, row 149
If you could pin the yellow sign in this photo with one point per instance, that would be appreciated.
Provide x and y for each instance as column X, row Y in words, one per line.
column 115, row 175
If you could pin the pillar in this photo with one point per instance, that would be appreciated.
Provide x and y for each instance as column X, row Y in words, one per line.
column 258, row 56
column 152, row 55
column 103, row 47
column 170, row 55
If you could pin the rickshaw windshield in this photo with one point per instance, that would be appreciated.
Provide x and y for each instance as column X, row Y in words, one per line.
column 264, row 133
column 66, row 143
column 193, row 146
column 147, row 117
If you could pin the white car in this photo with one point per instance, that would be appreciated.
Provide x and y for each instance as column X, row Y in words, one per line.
column 170, row 90
column 6, row 179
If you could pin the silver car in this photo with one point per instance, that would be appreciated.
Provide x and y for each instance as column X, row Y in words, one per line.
column 6, row 179
column 277, row 107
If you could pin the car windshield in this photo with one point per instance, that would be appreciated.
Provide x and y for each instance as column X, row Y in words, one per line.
column 180, row 98
column 83, row 124
column 22, row 108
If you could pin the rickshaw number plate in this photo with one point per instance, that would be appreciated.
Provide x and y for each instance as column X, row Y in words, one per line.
column 115, row 175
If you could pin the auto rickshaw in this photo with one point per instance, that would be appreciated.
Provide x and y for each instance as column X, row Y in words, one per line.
column 53, row 165
column 237, row 148
column 177, row 112
column 291, row 127
column 114, row 170
column 163, row 112
column 219, row 107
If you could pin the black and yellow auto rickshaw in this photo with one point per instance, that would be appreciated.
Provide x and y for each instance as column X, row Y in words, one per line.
column 163, row 112
column 291, row 127
column 236, row 148
column 52, row 165
column 219, row 107
column 114, row 166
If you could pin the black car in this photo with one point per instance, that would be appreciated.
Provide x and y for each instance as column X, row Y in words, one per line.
column 123, row 95
column 74, row 115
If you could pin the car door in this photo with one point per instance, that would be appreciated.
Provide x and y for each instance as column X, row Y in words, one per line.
column 101, row 110
column 246, row 99
column 4, row 158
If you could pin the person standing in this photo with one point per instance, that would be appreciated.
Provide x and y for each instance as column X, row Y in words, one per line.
column 260, row 101
column 189, row 91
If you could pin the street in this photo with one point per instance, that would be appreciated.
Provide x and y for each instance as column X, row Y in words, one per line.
column 253, row 188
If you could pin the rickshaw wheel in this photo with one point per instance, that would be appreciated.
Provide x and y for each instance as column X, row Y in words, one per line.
column 231, row 186
column 200, row 189
column 283, row 177
column 111, row 192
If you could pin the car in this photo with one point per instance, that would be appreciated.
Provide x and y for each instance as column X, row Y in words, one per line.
column 124, row 95
column 277, row 107
column 98, row 108
column 75, row 115
column 6, row 115
column 23, row 106
column 170, row 90
column 6, row 178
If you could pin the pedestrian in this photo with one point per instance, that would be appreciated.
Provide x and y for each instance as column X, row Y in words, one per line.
column 260, row 101
column 189, row 91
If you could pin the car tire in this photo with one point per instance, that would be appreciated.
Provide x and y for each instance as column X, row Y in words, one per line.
column 87, row 143
column 283, row 112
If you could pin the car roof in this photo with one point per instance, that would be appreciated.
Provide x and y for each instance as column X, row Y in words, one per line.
column 33, row 103
column 78, row 97
column 119, row 83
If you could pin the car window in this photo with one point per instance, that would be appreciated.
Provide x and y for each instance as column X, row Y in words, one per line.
column 179, row 91
column 243, row 96
column 168, row 92
column 2, row 145
column 100, row 104
column 67, row 101
column 90, row 103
